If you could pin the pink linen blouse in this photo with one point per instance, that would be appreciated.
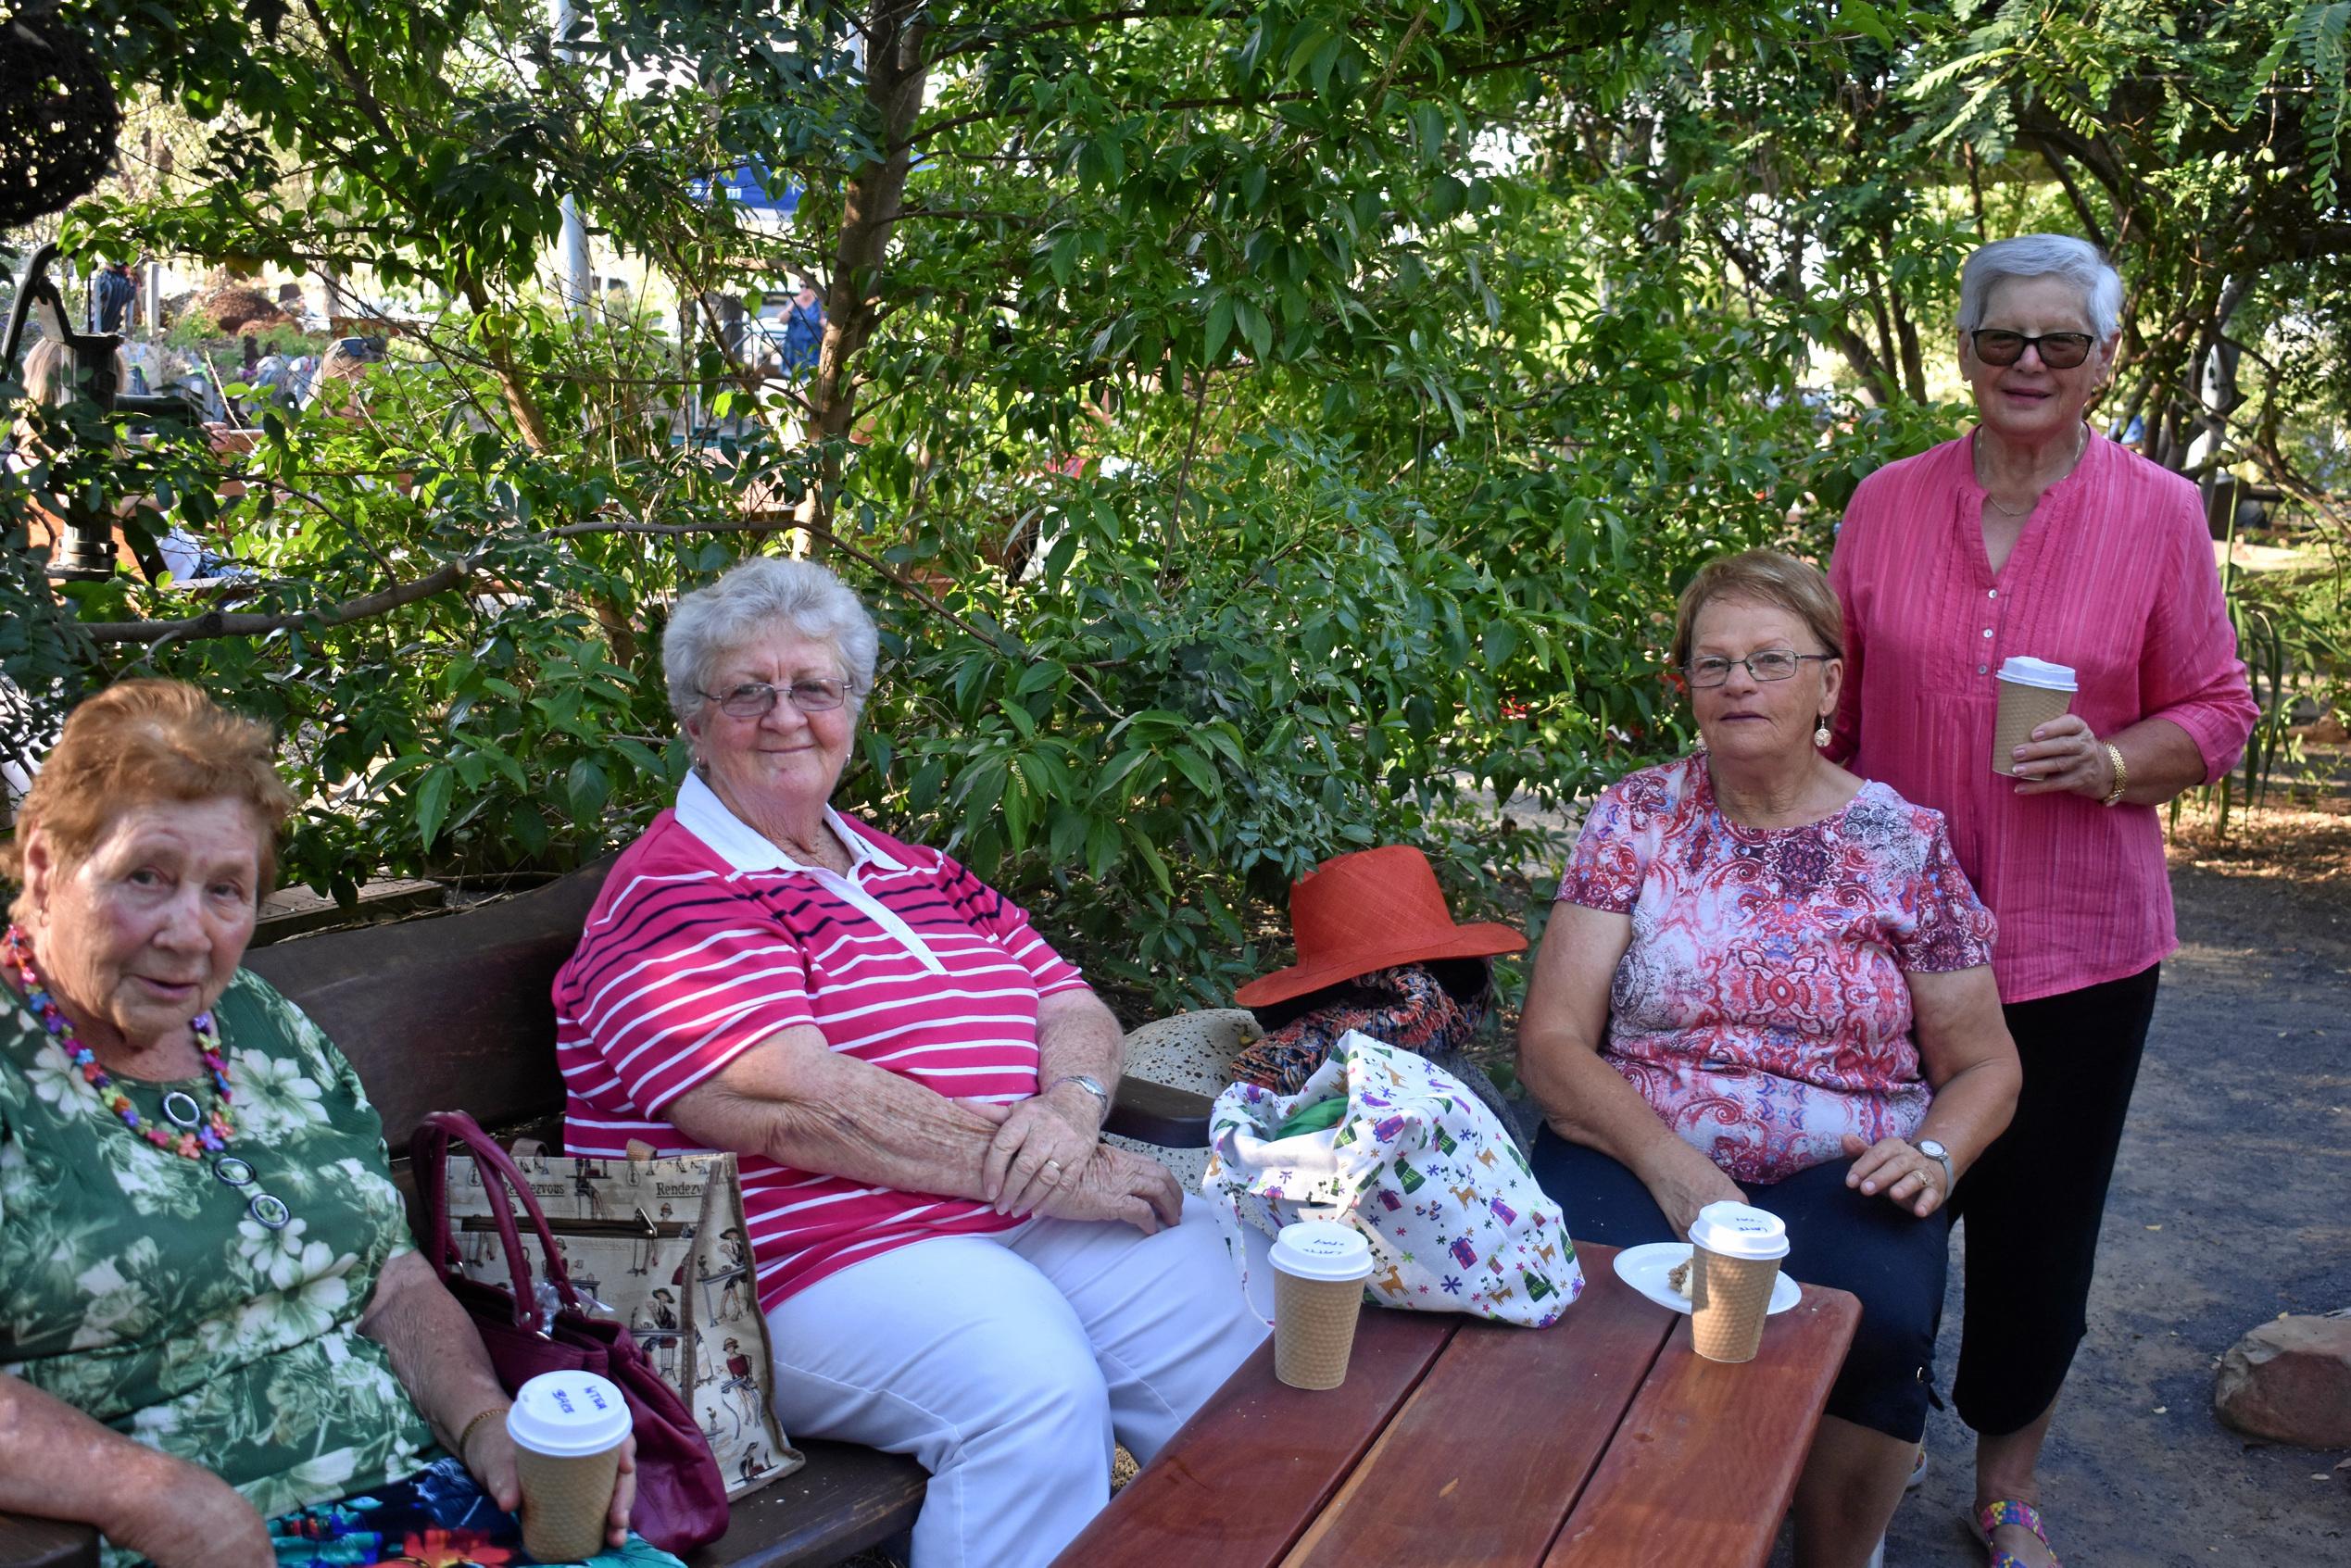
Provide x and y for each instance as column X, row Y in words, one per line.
column 1762, row 1006
column 2113, row 575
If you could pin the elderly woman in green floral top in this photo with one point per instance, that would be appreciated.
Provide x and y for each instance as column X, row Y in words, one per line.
column 217, row 1344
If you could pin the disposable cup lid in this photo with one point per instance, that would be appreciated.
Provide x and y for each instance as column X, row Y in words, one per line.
column 1322, row 1250
column 2020, row 671
column 1738, row 1230
column 564, row 1415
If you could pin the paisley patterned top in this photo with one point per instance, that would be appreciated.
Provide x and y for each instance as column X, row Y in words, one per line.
column 134, row 1286
column 1762, row 1008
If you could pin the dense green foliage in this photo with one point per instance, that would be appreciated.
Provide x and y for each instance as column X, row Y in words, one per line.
column 1262, row 427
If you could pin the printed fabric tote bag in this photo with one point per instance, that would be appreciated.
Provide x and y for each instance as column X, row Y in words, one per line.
column 1399, row 1149
column 657, row 1247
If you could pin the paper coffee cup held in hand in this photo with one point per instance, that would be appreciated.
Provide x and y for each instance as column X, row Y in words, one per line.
column 2032, row 692
column 1319, row 1269
column 1735, row 1253
column 568, row 1428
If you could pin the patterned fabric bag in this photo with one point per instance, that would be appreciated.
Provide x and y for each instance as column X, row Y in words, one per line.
column 657, row 1246
column 1388, row 1143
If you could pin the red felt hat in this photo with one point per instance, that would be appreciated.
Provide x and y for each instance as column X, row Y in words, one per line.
column 1372, row 909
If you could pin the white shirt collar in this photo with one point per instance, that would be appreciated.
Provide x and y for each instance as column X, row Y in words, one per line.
column 703, row 814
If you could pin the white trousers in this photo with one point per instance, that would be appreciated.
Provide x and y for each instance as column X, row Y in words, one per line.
column 1008, row 1363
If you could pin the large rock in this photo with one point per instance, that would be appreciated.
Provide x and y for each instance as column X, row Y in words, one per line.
column 2290, row 1381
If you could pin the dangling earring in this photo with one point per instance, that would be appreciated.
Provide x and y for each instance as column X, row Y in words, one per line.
column 1820, row 734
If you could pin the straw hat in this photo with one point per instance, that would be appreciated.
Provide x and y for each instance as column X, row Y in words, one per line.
column 1372, row 909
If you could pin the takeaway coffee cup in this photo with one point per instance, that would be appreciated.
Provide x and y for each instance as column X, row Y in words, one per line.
column 1319, row 1269
column 1734, row 1262
column 568, row 1428
column 2032, row 691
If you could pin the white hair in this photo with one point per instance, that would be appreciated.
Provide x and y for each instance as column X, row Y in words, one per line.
column 747, row 598
column 2043, row 256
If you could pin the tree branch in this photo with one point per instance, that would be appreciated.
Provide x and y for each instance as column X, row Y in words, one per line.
column 226, row 623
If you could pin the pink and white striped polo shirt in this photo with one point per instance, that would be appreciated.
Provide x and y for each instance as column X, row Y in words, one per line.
column 2112, row 575
column 708, row 939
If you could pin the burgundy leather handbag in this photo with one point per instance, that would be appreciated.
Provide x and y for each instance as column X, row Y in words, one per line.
column 681, row 1498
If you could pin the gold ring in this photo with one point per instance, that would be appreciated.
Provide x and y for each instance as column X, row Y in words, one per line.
column 1052, row 1164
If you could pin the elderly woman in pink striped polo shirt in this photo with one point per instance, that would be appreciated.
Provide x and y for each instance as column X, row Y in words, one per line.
column 2034, row 536
column 953, row 1264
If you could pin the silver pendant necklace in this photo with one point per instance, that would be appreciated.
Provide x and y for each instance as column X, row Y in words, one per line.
column 2081, row 444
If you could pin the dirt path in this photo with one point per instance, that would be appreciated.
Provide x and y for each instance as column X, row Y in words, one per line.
column 2231, row 1204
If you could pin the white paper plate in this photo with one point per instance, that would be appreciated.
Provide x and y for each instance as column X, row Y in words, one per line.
column 1645, row 1268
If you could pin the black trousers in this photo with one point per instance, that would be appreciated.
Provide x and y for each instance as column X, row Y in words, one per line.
column 2032, row 1204
column 1890, row 1259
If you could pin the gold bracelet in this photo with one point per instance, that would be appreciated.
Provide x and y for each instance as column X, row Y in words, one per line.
column 2121, row 775
column 465, row 1436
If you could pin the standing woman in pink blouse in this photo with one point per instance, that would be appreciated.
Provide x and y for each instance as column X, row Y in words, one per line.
column 2036, row 537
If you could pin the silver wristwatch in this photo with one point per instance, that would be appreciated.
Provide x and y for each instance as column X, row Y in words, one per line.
column 1090, row 1085
column 1935, row 1151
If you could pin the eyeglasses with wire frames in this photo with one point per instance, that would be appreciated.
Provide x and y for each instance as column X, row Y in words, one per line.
column 2059, row 351
column 1771, row 664
column 757, row 699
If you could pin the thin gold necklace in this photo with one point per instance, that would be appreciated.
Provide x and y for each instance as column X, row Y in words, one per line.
column 2081, row 444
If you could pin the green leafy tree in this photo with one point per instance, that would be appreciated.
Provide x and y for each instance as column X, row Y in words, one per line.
column 1262, row 429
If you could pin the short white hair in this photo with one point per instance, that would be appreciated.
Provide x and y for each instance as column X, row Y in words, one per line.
column 2043, row 256
column 749, row 598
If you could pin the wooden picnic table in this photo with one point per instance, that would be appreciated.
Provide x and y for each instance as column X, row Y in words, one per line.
column 1602, row 1440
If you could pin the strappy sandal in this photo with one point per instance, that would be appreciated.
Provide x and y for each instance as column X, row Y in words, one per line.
column 2008, row 1511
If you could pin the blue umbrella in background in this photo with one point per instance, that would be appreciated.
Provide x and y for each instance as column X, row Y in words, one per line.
column 752, row 186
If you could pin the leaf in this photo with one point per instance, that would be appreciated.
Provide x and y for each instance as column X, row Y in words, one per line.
column 1037, row 677
column 1254, row 326
column 433, row 803
column 1148, row 854
column 1196, row 768
column 587, row 788
column 1220, row 327
column 1863, row 17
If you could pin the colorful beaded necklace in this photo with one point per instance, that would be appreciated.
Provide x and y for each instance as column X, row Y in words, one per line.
column 198, row 1134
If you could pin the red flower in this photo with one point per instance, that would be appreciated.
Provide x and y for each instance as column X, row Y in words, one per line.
column 455, row 1549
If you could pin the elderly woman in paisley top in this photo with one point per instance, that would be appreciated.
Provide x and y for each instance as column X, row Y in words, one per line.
column 1766, row 981
column 952, row 1263
column 216, row 1332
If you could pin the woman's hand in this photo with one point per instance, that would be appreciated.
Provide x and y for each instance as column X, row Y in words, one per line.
column 2064, row 758
column 1897, row 1168
column 192, row 1519
column 1039, row 1146
column 489, row 1455
column 1113, row 1184
column 1688, row 1183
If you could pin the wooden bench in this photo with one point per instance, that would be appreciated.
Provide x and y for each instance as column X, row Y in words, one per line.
column 456, row 1012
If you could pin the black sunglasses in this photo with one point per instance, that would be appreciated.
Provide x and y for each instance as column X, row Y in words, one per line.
column 2059, row 351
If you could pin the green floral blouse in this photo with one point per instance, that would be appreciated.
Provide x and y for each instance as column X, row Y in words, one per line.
column 135, row 1287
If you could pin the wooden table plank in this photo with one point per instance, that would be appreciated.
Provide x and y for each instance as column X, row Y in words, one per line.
column 1253, row 1466
column 1705, row 1462
column 1496, row 1444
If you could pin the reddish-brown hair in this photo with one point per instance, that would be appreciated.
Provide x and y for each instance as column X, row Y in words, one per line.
column 142, row 741
column 1763, row 577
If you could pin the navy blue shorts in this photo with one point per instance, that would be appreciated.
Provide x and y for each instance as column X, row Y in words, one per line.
column 1888, row 1257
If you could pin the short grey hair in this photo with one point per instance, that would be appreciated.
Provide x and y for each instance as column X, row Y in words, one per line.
column 2043, row 256
column 747, row 598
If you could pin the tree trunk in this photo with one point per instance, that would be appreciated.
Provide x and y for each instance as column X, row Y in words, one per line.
column 896, row 73
column 1914, row 365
